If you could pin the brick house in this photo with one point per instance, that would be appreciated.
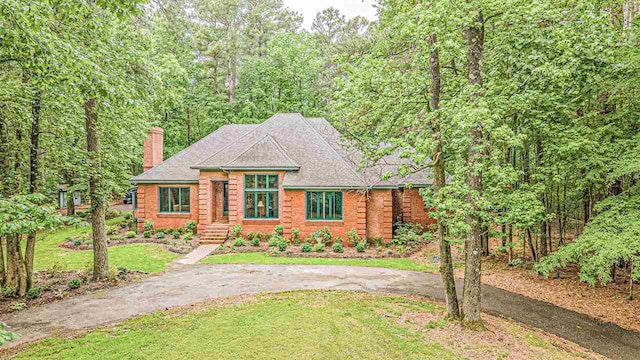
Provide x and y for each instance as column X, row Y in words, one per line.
column 289, row 170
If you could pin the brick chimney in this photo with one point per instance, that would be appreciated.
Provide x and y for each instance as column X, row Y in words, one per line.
column 153, row 148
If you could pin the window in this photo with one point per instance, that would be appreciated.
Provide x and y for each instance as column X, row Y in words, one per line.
column 324, row 205
column 261, row 196
column 174, row 199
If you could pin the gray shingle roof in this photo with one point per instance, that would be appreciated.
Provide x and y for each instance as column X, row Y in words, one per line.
column 309, row 148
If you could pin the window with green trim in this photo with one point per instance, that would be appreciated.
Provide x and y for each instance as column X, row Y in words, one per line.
column 174, row 199
column 261, row 196
column 324, row 205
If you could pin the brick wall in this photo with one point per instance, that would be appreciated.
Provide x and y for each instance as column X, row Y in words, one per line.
column 206, row 200
column 236, row 203
column 380, row 215
column 413, row 210
column 148, row 206
column 153, row 148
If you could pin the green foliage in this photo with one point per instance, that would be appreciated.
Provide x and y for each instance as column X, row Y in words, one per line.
column 130, row 234
column 337, row 247
column 191, row 226
column 160, row 235
column 609, row 238
column 353, row 237
column 34, row 292
column 148, row 227
column 306, row 247
column 407, row 233
column 6, row 335
column 187, row 236
column 361, row 246
column 74, row 283
column 24, row 214
column 295, row 236
column 278, row 230
column 282, row 245
column 236, row 231
column 322, row 236
column 176, row 234
column 239, row 241
column 274, row 240
column 319, row 247
column 147, row 234
column 255, row 241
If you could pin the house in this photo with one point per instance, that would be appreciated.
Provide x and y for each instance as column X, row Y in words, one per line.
column 70, row 203
column 290, row 170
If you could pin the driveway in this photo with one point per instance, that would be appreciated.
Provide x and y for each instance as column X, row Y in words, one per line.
column 190, row 284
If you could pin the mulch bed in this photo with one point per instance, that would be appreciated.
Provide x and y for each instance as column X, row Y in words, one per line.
column 296, row 251
column 54, row 285
column 178, row 246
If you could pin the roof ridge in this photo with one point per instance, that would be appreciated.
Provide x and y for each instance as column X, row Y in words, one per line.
column 334, row 150
column 269, row 138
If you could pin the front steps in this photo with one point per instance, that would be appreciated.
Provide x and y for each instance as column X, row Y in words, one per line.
column 215, row 233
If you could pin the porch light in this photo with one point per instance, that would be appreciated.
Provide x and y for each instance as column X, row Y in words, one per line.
column 260, row 204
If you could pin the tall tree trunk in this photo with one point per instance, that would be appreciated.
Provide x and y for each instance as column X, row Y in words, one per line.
column 439, row 178
column 543, row 198
column 34, row 157
column 100, row 254
column 188, row 125
column 474, row 36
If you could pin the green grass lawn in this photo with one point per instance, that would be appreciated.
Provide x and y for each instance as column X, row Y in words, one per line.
column 299, row 325
column 263, row 258
column 49, row 255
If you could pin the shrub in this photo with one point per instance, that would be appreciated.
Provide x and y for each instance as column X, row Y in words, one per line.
column 278, row 230
column 34, row 292
column 77, row 242
column 6, row 335
column 361, row 246
column 319, row 247
column 148, row 226
column 18, row 306
column 160, row 235
column 128, row 216
column 274, row 240
column 337, row 247
column 282, row 245
column 407, row 233
column 74, row 284
column 112, row 214
column 111, row 229
column 187, row 236
column 255, row 241
column 400, row 249
column 147, row 234
column 176, row 234
column 322, row 236
column 8, row 292
column 122, row 273
column 169, row 230
column 130, row 234
column 295, row 236
column 353, row 237
column 376, row 241
column 191, row 226
column 306, row 247
column 236, row 231
column 180, row 229
column 239, row 241
column 338, row 239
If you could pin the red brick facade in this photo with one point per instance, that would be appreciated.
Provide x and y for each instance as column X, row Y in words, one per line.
column 413, row 210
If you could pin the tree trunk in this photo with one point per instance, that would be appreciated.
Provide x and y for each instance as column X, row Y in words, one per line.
column 2, row 262
column 34, row 163
column 100, row 254
column 474, row 35
column 188, row 126
column 439, row 178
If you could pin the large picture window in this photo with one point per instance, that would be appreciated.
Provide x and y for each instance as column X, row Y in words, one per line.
column 174, row 199
column 324, row 205
column 261, row 196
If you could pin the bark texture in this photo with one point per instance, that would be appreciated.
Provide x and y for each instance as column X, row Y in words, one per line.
column 474, row 36
column 439, row 178
column 34, row 168
column 100, row 254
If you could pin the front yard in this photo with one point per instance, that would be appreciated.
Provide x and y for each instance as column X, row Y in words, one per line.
column 309, row 324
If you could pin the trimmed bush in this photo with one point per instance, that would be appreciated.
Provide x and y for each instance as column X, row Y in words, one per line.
column 148, row 234
column 274, row 240
column 191, row 226
column 255, row 241
column 322, row 236
column 282, row 245
column 239, row 241
column 111, row 230
column 361, row 246
column 160, row 235
column 295, row 236
column 130, row 234
column 75, row 283
column 306, row 247
column 148, row 226
column 187, row 236
column 278, row 230
column 176, row 234
column 236, row 231
column 319, row 247
column 353, row 237
column 77, row 242
column 337, row 247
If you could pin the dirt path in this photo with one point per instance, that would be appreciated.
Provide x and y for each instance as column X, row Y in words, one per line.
column 190, row 284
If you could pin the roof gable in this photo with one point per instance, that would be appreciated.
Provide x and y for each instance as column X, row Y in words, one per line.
column 264, row 153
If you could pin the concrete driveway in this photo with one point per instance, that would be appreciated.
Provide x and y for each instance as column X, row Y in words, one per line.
column 190, row 284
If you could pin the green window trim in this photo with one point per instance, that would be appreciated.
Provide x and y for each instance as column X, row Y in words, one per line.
column 324, row 205
column 166, row 206
column 261, row 191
